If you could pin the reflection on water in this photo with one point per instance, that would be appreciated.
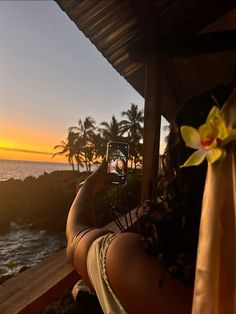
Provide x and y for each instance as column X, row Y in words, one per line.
column 21, row 169
column 27, row 247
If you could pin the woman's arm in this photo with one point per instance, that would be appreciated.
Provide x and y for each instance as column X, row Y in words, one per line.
column 81, row 212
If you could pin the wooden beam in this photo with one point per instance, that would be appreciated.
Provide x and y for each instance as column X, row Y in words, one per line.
column 152, row 121
column 200, row 44
column 145, row 12
column 208, row 14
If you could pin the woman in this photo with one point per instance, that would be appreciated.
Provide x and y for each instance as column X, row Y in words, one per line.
column 151, row 272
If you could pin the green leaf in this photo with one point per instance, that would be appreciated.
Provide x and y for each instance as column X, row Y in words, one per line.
column 195, row 159
column 191, row 136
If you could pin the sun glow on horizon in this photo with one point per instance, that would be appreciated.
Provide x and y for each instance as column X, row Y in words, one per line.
column 17, row 150
column 18, row 154
column 18, row 142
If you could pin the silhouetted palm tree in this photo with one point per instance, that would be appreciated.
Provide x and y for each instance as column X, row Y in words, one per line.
column 100, row 145
column 133, row 127
column 85, row 132
column 78, row 148
column 133, row 124
column 67, row 148
column 85, row 129
column 111, row 131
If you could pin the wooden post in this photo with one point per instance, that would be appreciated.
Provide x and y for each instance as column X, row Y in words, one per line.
column 152, row 121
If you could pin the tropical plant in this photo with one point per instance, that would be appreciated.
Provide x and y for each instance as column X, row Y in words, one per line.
column 85, row 129
column 11, row 265
column 99, row 146
column 111, row 131
column 133, row 127
column 78, row 150
column 86, row 144
column 83, row 144
column 67, row 148
column 133, row 124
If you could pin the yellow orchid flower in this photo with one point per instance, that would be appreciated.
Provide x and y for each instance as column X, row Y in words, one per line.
column 209, row 139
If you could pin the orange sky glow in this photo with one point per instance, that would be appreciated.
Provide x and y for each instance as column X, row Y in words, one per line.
column 51, row 76
column 23, row 144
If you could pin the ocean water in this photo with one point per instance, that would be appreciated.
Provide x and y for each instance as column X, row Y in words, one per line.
column 27, row 247
column 23, row 245
column 18, row 169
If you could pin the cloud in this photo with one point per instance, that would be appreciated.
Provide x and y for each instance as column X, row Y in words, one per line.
column 24, row 151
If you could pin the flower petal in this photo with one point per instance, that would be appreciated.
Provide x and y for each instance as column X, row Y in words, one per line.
column 208, row 134
column 214, row 154
column 191, row 136
column 216, row 121
column 214, row 113
column 195, row 159
column 231, row 137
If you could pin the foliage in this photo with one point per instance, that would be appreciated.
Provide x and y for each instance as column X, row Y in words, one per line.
column 11, row 264
column 133, row 126
column 41, row 203
column 68, row 148
column 86, row 143
column 111, row 131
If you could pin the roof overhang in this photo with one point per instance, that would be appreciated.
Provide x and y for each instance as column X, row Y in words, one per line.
column 195, row 40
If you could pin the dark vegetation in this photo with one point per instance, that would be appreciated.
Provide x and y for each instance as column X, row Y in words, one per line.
column 43, row 203
column 85, row 143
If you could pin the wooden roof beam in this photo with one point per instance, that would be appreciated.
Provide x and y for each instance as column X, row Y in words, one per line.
column 205, row 16
column 145, row 13
column 199, row 44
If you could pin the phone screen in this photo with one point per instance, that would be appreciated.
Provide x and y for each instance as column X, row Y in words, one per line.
column 117, row 158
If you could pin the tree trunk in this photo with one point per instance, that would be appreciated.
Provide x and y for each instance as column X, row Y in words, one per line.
column 72, row 164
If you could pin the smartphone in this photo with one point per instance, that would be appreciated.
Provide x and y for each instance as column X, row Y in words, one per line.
column 117, row 159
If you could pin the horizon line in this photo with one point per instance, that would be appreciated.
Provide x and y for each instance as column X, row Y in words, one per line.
column 37, row 161
column 19, row 150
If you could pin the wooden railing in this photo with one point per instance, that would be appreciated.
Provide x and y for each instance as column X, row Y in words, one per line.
column 31, row 291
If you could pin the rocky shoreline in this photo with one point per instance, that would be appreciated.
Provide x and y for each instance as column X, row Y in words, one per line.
column 44, row 202
column 37, row 202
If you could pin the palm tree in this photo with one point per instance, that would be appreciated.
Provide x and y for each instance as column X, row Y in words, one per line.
column 133, row 126
column 111, row 131
column 85, row 129
column 78, row 148
column 84, row 132
column 67, row 148
column 99, row 146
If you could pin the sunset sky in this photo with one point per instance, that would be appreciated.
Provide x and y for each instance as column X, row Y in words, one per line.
column 51, row 76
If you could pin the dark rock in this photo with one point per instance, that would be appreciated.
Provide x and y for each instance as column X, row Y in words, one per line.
column 23, row 269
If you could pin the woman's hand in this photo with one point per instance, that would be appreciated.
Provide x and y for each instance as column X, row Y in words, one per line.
column 99, row 178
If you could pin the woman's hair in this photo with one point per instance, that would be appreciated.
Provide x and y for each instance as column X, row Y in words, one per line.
column 170, row 226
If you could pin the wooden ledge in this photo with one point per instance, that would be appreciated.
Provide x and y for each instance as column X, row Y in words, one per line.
column 35, row 288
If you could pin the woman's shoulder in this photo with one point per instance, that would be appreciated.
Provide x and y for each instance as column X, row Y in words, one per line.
column 136, row 278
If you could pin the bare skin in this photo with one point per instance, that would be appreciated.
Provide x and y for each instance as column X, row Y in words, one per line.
column 134, row 275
